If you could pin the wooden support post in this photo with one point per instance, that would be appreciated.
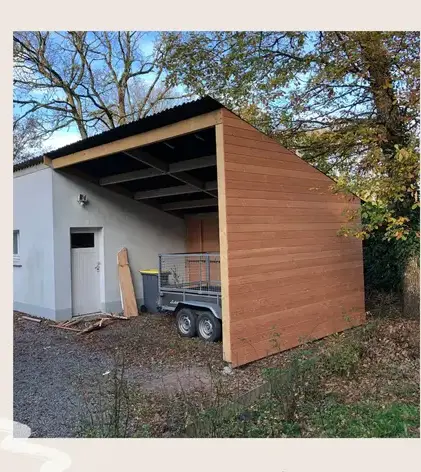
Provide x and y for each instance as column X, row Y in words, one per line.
column 223, row 242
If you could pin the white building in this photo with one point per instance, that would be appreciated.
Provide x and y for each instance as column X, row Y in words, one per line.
column 65, row 254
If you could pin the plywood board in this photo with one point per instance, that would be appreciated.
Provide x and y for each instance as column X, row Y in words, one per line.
column 128, row 298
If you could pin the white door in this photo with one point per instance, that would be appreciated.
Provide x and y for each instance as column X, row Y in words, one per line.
column 85, row 272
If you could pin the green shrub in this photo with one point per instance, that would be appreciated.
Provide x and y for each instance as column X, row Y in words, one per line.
column 385, row 261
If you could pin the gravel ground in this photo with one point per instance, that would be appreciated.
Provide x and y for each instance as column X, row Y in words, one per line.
column 47, row 363
column 54, row 369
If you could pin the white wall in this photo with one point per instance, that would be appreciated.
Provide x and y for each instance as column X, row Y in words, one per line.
column 145, row 232
column 33, row 280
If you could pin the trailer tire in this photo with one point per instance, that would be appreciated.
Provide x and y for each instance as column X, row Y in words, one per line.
column 209, row 328
column 186, row 321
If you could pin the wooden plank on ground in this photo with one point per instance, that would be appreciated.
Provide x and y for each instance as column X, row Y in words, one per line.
column 29, row 318
column 128, row 298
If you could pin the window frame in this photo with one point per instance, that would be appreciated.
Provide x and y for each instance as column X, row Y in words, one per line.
column 16, row 257
column 82, row 240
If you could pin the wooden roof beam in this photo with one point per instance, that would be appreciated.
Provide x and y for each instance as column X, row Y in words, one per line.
column 189, row 179
column 182, row 166
column 146, row 158
column 129, row 176
column 207, row 202
column 159, row 165
column 191, row 164
column 165, row 192
column 211, row 185
column 169, row 191
column 190, row 125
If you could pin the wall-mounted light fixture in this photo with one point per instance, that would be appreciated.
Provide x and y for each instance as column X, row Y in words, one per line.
column 82, row 199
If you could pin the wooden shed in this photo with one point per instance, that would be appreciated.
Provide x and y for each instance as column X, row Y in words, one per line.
column 286, row 275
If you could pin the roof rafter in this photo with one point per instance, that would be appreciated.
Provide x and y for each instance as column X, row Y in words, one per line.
column 207, row 202
column 165, row 192
column 182, row 166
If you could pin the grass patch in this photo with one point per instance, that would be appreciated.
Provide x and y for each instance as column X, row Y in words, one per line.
column 362, row 420
column 263, row 419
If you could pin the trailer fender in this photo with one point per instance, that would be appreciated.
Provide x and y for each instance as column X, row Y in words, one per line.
column 213, row 307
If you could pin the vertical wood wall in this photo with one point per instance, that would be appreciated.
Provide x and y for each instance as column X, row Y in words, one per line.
column 202, row 233
column 288, row 277
column 202, row 236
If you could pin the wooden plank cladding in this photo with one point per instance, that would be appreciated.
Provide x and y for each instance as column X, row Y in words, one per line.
column 289, row 277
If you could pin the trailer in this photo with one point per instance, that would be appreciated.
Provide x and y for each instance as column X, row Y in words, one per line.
column 189, row 285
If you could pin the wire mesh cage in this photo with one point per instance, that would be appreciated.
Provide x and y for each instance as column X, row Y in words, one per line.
column 192, row 272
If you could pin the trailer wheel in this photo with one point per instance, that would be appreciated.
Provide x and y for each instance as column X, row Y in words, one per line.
column 186, row 321
column 209, row 327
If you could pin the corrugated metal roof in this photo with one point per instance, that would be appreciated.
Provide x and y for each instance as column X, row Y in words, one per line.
column 163, row 118
column 33, row 161
column 157, row 120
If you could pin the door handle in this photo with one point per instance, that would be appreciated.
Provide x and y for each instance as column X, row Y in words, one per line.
column 97, row 266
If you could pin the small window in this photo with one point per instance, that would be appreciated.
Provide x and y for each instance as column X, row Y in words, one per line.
column 81, row 240
column 16, row 242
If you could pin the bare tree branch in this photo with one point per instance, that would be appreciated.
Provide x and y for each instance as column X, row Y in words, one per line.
column 94, row 80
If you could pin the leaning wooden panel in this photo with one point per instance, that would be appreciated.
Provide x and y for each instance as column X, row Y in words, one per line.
column 128, row 298
column 289, row 277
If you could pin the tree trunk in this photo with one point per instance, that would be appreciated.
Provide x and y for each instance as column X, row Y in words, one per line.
column 411, row 288
column 378, row 64
column 122, row 116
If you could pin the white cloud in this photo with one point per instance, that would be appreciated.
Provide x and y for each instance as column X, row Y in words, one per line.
column 61, row 138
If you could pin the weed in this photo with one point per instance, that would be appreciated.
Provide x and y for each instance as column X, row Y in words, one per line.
column 293, row 384
column 113, row 416
column 384, row 304
column 344, row 359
